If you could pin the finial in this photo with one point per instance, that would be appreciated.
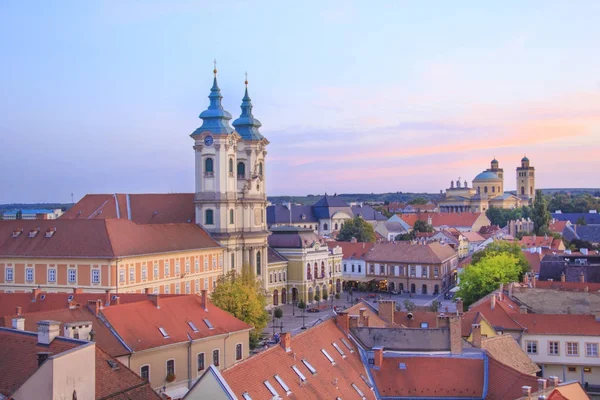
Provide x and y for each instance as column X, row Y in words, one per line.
column 246, row 81
column 215, row 69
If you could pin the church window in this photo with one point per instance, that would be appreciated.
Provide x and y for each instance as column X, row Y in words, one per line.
column 232, row 260
column 493, row 189
column 209, row 217
column 260, row 169
column 336, row 226
column 485, row 189
column 209, row 166
column 531, row 190
column 308, row 271
column 231, row 166
column 231, row 216
column 316, row 269
column 522, row 190
column 325, row 226
column 241, row 170
column 258, row 263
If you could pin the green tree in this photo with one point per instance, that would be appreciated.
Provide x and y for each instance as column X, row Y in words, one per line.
column 501, row 247
column 541, row 216
column 581, row 221
column 325, row 294
column 409, row 305
column 277, row 314
column 241, row 295
column 435, row 306
column 356, row 228
column 301, row 304
column 418, row 201
column 422, row 226
column 486, row 276
column 406, row 236
column 318, row 299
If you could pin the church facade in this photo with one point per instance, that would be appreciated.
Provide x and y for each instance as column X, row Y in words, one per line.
column 487, row 190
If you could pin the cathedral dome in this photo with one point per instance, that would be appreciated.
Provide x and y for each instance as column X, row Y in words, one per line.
column 487, row 176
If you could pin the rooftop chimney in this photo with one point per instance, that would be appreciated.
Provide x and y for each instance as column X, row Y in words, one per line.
column 77, row 290
column 117, row 301
column 47, row 331
column 526, row 278
column 98, row 306
column 581, row 277
column 533, row 280
column 204, row 300
column 43, row 356
column 476, row 333
column 147, row 291
column 493, row 301
column 18, row 323
column 526, row 391
column 563, row 277
column 501, row 292
column 541, row 384
column 36, row 292
column 378, row 357
column 107, row 298
column 387, row 308
column 154, row 298
column 286, row 341
column 343, row 322
column 510, row 290
column 459, row 305
column 361, row 312
column 353, row 240
column 18, row 310
column 553, row 381
column 523, row 309
column 455, row 334
column 353, row 321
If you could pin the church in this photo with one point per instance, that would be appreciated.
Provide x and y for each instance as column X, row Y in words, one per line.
column 487, row 190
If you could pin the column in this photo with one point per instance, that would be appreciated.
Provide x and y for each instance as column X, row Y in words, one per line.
column 246, row 256
column 252, row 252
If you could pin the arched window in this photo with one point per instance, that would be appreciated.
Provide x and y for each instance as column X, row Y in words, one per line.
column 531, row 190
column 336, row 226
column 322, row 269
column 260, row 169
column 232, row 260
column 522, row 190
column 231, row 166
column 485, row 189
column 258, row 263
column 209, row 166
column 209, row 217
column 316, row 271
column 241, row 170
column 308, row 271
column 325, row 226
column 493, row 189
column 231, row 216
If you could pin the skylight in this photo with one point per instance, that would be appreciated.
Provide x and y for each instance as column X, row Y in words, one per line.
column 331, row 360
column 339, row 350
column 207, row 322
column 366, row 381
column 70, row 297
column 300, row 374
column 402, row 366
column 358, row 391
column 271, row 389
column 347, row 345
column 424, row 325
column 246, row 396
column 310, row 367
column 283, row 385
column 163, row 332
column 42, row 297
column 191, row 324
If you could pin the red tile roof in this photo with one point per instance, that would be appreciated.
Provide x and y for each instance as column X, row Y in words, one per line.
column 568, row 286
column 138, row 323
column 559, row 324
column 99, row 238
column 534, row 260
column 505, row 382
column 431, row 253
column 418, row 317
column 355, row 251
column 443, row 219
column 473, row 237
column 249, row 376
column 501, row 316
column 557, row 226
column 145, row 208
column 505, row 349
column 542, row 241
column 430, row 376
column 19, row 358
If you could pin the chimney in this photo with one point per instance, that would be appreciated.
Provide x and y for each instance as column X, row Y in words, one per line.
column 581, row 277
column 47, row 331
column 510, row 290
column 204, row 300
column 455, row 334
column 98, row 307
column 147, row 291
column 442, row 321
column 586, row 288
column 526, row 391
column 523, row 309
column 365, row 321
column 286, row 341
column 107, row 298
column 526, row 278
column 117, row 301
column 18, row 323
column 501, row 292
column 77, row 290
column 353, row 240
column 342, row 321
column 553, row 381
column 533, row 280
column 378, row 357
column 387, row 309
column 541, row 384
column 43, row 356
column 493, row 301
column 18, row 310
column 353, row 321
column 476, row 333
column 563, row 277
column 36, row 292
column 361, row 312
column 154, row 298
column 459, row 305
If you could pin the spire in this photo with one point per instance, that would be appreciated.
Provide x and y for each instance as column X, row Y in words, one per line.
column 246, row 125
column 214, row 119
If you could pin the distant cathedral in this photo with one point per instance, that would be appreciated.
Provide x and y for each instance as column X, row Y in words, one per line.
column 488, row 190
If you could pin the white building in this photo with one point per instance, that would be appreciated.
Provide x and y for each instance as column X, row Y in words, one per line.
column 354, row 267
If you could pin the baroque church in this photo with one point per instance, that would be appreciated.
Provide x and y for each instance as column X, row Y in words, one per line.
column 487, row 190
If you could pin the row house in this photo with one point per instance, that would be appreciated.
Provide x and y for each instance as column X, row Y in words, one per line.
column 102, row 255
column 354, row 267
column 416, row 268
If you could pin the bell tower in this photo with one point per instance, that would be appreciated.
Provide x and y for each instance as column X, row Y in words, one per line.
column 230, row 196
column 526, row 181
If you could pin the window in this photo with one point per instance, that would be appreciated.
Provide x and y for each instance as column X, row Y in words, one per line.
column 325, row 226
column 214, row 262
column 205, row 283
column 197, row 286
column 209, row 166
column 260, row 169
column 145, row 372
column 187, row 287
column 591, row 349
column 167, row 269
column 531, row 346
column 413, row 270
column 214, row 283
column 572, row 349
column 280, row 277
column 167, row 289
column 258, row 263
column 121, row 275
column 216, row 358
column 372, row 269
column 29, row 274
column 238, row 352
column 231, row 216
column 382, row 269
column 52, row 275
column 72, row 275
column 241, row 170
column 231, row 167
column 425, row 272
column 232, row 260
column 284, row 275
column 209, row 217
column 95, row 276
column 187, row 265
column 197, row 265
column 345, row 270
column 9, row 274
column 155, row 272
column 177, row 288
column 270, row 278
column 553, row 348
column 436, row 272
column 587, row 369
column 144, row 272
column 171, row 367
column 200, row 362
column 177, row 267
column 205, row 263
column 131, row 274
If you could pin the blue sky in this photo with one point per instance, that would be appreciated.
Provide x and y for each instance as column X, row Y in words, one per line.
column 100, row 97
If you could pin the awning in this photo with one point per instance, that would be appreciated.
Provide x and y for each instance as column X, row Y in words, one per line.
column 454, row 289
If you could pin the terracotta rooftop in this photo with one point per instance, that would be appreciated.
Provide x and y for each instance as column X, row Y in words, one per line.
column 350, row 250
column 534, row 260
column 443, row 219
column 330, row 380
column 500, row 317
column 505, row 382
column 557, row 226
column 98, row 238
column 564, row 391
column 431, row 253
column 542, row 241
column 374, row 319
column 505, row 349
column 418, row 317
column 144, row 208
column 568, row 286
column 559, row 324
column 473, row 237
column 139, row 324
column 430, row 376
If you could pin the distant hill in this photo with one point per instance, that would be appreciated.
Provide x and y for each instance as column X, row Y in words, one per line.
column 358, row 197
column 24, row 206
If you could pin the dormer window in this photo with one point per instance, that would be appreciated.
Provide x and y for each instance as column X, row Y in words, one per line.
column 303, row 216
column 50, row 232
column 17, row 232
column 163, row 332
column 33, row 233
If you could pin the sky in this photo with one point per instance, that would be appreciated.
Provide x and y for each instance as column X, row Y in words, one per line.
column 354, row 96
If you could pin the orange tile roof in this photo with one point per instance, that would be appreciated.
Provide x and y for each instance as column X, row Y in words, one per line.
column 568, row 286
column 430, row 253
column 248, row 376
column 352, row 250
column 375, row 321
column 542, row 241
column 152, row 208
column 559, row 324
column 501, row 316
column 473, row 237
column 138, row 323
column 401, row 318
column 505, row 349
column 429, row 376
column 557, row 226
column 534, row 260
column 505, row 382
column 99, row 238
column 443, row 219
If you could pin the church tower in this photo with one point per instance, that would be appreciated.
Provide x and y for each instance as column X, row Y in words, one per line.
column 230, row 197
column 526, row 181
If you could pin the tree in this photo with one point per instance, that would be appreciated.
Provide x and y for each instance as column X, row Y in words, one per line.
column 318, row 299
column 581, row 221
column 301, row 305
column 356, row 228
column 277, row 313
column 19, row 215
column 435, row 306
column 500, row 247
column 406, row 237
column 422, row 226
column 486, row 276
column 325, row 294
column 242, row 296
column 541, row 216
column 409, row 305
column 418, row 201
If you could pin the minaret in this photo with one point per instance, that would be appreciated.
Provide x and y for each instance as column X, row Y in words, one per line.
column 526, row 181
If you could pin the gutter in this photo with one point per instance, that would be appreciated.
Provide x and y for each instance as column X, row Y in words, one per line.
column 190, row 341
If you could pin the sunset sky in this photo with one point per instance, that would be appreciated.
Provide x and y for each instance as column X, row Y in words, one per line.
column 100, row 97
